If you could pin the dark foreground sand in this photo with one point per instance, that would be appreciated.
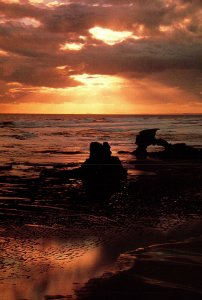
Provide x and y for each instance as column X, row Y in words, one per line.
column 170, row 271
column 142, row 239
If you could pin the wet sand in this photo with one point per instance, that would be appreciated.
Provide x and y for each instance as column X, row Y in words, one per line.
column 60, row 240
column 168, row 271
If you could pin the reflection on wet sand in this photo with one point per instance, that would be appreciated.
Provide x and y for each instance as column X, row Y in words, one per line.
column 34, row 268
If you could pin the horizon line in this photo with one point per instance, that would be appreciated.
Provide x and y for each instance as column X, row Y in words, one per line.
column 117, row 114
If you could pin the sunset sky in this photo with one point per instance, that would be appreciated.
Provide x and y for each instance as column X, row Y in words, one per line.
column 101, row 56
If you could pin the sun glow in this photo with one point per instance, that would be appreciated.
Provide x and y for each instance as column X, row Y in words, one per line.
column 97, row 80
column 97, row 94
column 109, row 36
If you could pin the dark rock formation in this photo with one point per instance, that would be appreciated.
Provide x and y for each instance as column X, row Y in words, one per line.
column 147, row 137
column 101, row 164
column 144, row 139
column 100, row 167
column 181, row 150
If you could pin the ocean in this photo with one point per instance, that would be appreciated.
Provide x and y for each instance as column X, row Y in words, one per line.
column 30, row 140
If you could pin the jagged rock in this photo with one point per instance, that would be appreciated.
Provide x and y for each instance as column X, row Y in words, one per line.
column 147, row 137
column 144, row 139
column 101, row 164
column 181, row 150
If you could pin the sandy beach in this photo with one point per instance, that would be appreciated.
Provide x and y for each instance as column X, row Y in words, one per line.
column 141, row 240
column 62, row 237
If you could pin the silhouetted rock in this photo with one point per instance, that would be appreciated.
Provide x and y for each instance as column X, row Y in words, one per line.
column 101, row 164
column 147, row 137
column 181, row 150
column 144, row 139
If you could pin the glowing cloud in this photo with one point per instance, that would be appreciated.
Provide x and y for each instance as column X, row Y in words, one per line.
column 3, row 53
column 97, row 80
column 24, row 22
column 61, row 67
column 54, row 3
column 30, row 22
column 72, row 46
column 109, row 36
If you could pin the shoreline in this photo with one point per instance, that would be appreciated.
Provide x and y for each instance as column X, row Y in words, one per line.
column 82, row 245
column 54, row 256
column 160, row 271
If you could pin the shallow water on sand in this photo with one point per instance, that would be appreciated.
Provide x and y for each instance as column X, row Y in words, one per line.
column 36, row 268
column 32, row 269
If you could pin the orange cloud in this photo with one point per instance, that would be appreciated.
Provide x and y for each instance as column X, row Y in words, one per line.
column 101, row 55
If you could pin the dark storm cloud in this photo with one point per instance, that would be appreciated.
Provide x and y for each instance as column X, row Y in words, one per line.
column 170, row 30
column 47, row 77
column 81, row 16
column 17, row 10
column 189, row 80
column 34, row 73
column 127, row 13
column 28, row 41
column 143, row 56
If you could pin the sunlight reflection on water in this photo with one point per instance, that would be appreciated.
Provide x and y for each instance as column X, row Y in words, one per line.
column 39, row 267
column 32, row 269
